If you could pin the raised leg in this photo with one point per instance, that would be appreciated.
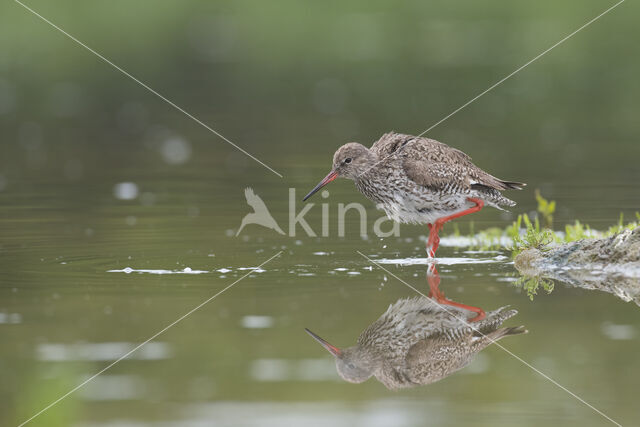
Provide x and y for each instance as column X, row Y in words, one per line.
column 479, row 205
column 434, row 229
column 433, row 277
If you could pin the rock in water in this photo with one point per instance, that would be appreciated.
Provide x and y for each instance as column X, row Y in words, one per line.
column 611, row 264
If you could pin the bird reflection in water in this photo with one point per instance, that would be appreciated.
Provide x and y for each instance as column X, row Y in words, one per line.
column 420, row 340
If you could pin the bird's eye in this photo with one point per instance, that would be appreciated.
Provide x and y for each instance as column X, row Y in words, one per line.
column 347, row 160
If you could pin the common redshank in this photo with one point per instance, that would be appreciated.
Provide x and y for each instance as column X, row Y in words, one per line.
column 418, row 180
column 417, row 341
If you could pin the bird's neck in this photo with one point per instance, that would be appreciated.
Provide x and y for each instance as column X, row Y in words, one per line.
column 370, row 165
column 369, row 358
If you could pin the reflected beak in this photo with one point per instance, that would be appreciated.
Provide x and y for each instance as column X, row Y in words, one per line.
column 330, row 348
column 327, row 179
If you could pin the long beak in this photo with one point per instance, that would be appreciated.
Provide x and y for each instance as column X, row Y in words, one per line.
column 330, row 348
column 327, row 179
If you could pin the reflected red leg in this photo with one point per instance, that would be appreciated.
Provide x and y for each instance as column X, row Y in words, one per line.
column 433, row 277
column 434, row 282
column 480, row 314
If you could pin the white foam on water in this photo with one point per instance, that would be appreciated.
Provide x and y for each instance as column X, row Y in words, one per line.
column 440, row 261
column 465, row 241
column 507, row 279
column 186, row 270
column 256, row 270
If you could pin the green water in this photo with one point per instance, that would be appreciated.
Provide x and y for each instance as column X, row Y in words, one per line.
column 291, row 87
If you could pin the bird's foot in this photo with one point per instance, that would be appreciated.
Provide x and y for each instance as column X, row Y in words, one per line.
column 433, row 246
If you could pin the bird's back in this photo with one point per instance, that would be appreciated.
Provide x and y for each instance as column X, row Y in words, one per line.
column 408, row 321
column 438, row 168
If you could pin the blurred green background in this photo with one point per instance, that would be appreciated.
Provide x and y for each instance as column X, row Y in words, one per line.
column 290, row 81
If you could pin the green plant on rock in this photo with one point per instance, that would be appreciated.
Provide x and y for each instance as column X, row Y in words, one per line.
column 526, row 233
column 533, row 237
column 575, row 231
column 621, row 226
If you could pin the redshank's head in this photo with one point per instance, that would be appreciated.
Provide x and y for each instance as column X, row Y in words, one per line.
column 350, row 363
column 350, row 161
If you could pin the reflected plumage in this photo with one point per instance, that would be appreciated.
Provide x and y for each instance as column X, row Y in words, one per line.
column 417, row 341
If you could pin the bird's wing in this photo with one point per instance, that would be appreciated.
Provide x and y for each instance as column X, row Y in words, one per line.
column 436, row 357
column 432, row 348
column 254, row 200
column 433, row 164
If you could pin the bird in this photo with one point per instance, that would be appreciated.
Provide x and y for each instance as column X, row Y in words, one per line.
column 416, row 342
column 418, row 180
column 260, row 214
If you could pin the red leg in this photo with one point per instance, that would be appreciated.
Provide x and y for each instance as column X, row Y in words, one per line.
column 434, row 229
column 433, row 241
column 433, row 277
column 479, row 205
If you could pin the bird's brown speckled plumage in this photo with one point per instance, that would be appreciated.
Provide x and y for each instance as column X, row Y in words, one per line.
column 417, row 179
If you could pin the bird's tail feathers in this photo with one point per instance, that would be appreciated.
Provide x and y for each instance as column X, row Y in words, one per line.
column 512, row 185
column 503, row 332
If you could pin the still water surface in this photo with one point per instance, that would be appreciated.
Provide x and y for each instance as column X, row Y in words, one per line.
column 81, row 289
